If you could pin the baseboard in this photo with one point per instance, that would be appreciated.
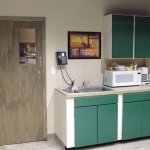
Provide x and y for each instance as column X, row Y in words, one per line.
column 52, row 135
column 59, row 142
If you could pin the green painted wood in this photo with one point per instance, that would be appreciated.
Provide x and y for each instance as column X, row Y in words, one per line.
column 131, row 97
column 122, row 36
column 107, row 123
column 142, row 37
column 146, row 119
column 95, row 100
column 85, row 126
column 132, row 118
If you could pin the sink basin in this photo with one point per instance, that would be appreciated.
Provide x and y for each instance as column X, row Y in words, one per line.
column 93, row 89
column 84, row 89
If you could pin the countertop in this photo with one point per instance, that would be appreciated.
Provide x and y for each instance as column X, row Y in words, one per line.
column 118, row 90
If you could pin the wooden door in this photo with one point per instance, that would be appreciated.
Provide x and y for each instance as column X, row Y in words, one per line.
column 22, row 107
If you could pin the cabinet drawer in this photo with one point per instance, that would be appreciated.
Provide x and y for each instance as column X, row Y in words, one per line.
column 136, row 97
column 96, row 100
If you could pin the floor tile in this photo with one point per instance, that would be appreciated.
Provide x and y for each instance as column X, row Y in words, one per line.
column 53, row 144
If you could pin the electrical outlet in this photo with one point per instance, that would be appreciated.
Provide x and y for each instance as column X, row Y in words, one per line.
column 53, row 70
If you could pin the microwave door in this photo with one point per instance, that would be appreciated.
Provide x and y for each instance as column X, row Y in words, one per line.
column 124, row 79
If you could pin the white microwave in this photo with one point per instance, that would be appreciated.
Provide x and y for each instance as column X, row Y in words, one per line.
column 122, row 78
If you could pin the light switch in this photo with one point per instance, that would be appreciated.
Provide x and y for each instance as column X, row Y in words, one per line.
column 53, row 70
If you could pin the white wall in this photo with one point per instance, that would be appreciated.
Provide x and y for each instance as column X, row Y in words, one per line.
column 70, row 15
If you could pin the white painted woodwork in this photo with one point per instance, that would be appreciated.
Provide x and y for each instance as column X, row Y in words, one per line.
column 108, row 36
column 64, row 119
column 120, row 115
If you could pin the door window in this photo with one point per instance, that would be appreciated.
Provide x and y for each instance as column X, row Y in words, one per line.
column 27, row 46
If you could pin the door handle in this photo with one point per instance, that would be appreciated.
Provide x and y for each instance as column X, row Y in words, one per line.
column 39, row 71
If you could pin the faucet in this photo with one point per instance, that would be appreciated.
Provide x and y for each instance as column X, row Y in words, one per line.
column 73, row 89
column 72, row 82
column 86, row 83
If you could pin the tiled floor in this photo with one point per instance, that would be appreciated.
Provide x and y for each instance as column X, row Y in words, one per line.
column 53, row 144
column 50, row 144
column 132, row 145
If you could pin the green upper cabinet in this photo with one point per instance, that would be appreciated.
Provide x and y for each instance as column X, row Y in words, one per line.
column 126, row 36
column 142, row 37
column 118, row 38
column 122, row 36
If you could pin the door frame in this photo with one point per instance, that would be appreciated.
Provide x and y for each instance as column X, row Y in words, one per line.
column 43, row 21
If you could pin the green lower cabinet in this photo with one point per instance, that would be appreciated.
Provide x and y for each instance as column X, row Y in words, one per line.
column 146, row 119
column 85, row 126
column 107, row 123
column 95, row 120
column 132, row 120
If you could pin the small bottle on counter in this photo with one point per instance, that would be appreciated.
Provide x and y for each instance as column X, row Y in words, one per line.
column 135, row 67
column 109, row 68
column 130, row 67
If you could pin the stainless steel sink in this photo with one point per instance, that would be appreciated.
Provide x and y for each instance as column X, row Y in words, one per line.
column 84, row 89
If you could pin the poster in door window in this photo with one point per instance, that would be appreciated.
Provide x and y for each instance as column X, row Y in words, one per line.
column 84, row 45
column 27, row 46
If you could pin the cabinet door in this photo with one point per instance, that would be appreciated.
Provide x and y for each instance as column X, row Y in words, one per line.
column 146, row 119
column 142, row 37
column 107, row 123
column 132, row 118
column 122, row 36
column 85, row 126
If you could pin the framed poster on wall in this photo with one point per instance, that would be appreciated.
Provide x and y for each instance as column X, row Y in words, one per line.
column 84, row 45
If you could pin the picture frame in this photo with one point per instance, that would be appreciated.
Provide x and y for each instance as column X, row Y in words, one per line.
column 84, row 45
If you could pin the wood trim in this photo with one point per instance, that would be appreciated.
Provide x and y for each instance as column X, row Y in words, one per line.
column 24, row 18
column 44, row 74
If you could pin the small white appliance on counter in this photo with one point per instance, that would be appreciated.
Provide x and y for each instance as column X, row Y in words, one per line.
column 145, row 77
column 122, row 78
